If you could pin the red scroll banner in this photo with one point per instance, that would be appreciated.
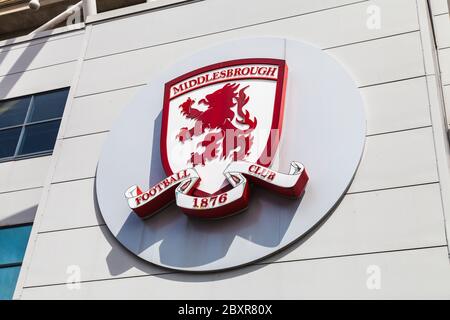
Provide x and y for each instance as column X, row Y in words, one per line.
column 181, row 185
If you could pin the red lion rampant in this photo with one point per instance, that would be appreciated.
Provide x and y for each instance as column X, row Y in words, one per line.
column 229, row 140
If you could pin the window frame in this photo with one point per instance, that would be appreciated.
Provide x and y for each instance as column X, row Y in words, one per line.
column 25, row 124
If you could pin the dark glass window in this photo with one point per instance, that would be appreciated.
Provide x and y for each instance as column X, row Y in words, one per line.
column 39, row 137
column 29, row 125
column 13, row 242
column 8, row 141
column 8, row 280
column 48, row 105
column 13, row 112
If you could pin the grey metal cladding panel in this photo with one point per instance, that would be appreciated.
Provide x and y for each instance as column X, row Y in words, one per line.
column 333, row 278
column 390, row 160
column 37, row 80
column 444, row 61
column 78, row 157
column 439, row 6
column 447, row 100
column 389, row 107
column 396, row 106
column 217, row 16
column 41, row 54
column 372, row 62
column 94, row 250
column 383, row 60
column 381, row 221
column 142, row 63
column 71, row 205
column 24, row 174
column 442, row 30
column 46, row 36
column 391, row 219
column 397, row 159
column 355, row 63
column 97, row 113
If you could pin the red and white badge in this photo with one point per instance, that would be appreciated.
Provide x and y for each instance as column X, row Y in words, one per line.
column 206, row 137
column 221, row 126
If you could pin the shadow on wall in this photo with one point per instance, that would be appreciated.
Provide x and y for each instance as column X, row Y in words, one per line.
column 24, row 216
column 120, row 260
column 4, row 53
column 177, row 276
column 20, row 65
column 186, row 242
column 182, row 242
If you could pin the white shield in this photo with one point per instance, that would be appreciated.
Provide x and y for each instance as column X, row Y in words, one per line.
column 222, row 113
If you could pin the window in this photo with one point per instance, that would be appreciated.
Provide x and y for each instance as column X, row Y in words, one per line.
column 107, row 5
column 29, row 125
column 13, row 242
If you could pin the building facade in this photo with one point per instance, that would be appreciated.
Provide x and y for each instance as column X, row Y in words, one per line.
column 387, row 238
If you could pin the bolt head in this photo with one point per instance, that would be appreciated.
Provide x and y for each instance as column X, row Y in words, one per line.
column 34, row 5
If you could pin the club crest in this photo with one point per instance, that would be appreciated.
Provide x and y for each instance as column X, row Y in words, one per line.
column 220, row 129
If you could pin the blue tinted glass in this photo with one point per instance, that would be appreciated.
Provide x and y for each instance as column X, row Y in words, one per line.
column 8, row 279
column 13, row 242
column 39, row 137
column 48, row 105
column 8, row 141
column 13, row 112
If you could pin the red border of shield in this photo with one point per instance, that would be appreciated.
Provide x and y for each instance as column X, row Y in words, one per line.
column 278, row 111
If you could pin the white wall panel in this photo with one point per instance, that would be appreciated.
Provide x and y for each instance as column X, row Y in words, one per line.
column 442, row 30
column 444, row 63
column 322, row 28
column 411, row 274
column 383, row 60
column 234, row 15
column 381, row 221
column 372, row 62
column 389, row 107
column 396, row 106
column 78, row 157
column 439, row 6
column 391, row 160
column 37, row 80
column 41, row 54
column 94, row 250
column 46, row 36
column 23, row 174
column 71, row 205
column 19, row 207
column 96, row 113
column 5, row 171
column 397, row 159
column 126, row 52
column 447, row 101
column 385, row 220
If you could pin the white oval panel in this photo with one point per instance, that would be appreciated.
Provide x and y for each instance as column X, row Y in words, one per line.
column 324, row 128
